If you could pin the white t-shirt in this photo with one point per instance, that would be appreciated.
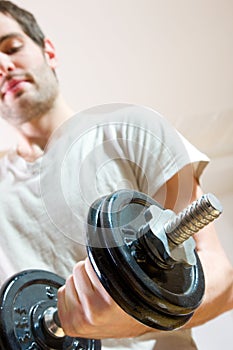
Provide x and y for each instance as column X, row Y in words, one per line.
column 44, row 204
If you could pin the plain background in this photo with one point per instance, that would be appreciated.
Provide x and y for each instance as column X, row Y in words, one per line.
column 174, row 56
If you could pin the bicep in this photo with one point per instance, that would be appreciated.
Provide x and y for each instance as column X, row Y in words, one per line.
column 178, row 192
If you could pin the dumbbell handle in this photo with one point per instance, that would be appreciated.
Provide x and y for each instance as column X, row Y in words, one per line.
column 52, row 323
column 193, row 218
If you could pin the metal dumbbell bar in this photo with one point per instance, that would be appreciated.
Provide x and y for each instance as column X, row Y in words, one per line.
column 143, row 255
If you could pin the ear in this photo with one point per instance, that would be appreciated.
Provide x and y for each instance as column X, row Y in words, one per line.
column 50, row 53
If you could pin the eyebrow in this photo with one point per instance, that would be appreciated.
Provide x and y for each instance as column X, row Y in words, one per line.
column 9, row 36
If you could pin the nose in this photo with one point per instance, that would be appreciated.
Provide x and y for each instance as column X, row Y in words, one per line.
column 6, row 64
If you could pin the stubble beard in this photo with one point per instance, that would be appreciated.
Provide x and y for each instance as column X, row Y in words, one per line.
column 33, row 104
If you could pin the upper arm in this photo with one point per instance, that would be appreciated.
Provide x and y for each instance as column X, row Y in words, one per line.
column 179, row 191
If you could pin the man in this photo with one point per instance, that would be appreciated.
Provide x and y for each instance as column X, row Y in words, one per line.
column 122, row 144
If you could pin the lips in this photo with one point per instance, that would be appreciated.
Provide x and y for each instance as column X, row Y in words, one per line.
column 12, row 86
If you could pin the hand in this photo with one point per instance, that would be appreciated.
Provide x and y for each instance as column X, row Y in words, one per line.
column 86, row 310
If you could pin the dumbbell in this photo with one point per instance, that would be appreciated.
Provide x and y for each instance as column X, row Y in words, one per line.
column 28, row 314
column 143, row 255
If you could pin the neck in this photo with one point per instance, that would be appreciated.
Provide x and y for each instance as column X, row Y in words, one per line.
column 34, row 135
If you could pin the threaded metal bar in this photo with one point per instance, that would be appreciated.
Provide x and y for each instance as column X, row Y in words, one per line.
column 193, row 218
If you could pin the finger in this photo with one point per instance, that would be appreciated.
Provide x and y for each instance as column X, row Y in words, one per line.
column 93, row 277
column 89, row 296
column 97, row 285
column 82, row 282
column 95, row 300
column 69, row 307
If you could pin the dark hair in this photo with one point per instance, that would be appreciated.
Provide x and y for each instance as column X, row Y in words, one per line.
column 25, row 19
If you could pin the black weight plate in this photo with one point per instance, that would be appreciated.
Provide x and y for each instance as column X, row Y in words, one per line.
column 164, row 301
column 21, row 299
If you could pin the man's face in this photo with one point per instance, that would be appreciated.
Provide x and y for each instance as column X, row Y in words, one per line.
column 28, row 86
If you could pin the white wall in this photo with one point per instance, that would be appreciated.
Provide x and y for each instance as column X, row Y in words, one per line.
column 175, row 56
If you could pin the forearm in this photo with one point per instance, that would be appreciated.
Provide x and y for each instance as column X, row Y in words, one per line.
column 218, row 273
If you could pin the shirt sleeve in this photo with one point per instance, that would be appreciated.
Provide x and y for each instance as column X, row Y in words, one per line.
column 156, row 150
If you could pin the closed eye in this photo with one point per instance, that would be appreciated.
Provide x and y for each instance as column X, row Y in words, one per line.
column 11, row 44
